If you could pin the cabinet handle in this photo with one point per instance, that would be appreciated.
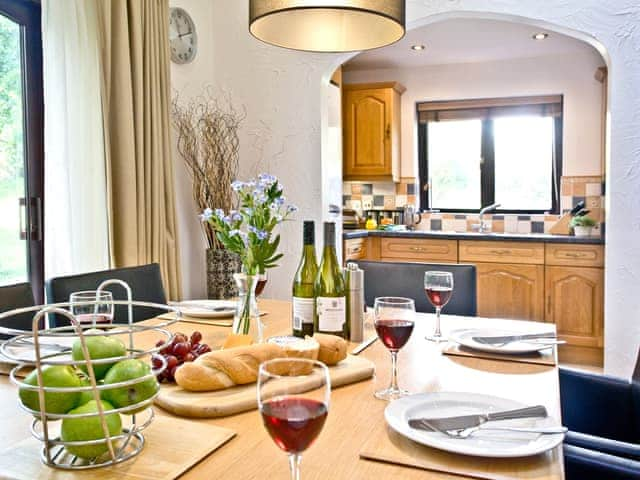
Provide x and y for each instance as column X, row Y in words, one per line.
column 417, row 249
column 356, row 249
column 387, row 132
column 573, row 254
column 500, row 252
column 549, row 305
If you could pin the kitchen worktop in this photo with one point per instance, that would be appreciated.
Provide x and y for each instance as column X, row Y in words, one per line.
column 519, row 237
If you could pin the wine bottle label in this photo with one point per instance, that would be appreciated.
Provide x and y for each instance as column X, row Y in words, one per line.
column 332, row 313
column 302, row 311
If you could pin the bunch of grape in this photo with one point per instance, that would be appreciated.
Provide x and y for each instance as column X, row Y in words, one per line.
column 178, row 351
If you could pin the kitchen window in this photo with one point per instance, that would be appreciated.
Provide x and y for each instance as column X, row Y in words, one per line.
column 474, row 153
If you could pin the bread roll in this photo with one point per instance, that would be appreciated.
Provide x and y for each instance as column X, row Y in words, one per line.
column 333, row 349
column 226, row 368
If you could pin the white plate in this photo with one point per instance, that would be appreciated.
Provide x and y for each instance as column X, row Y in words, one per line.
column 483, row 443
column 207, row 308
column 465, row 337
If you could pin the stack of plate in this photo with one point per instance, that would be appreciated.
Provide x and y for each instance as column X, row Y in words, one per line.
column 468, row 337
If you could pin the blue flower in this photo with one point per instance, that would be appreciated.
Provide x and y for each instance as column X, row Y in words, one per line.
column 237, row 185
column 219, row 213
column 261, row 234
column 206, row 215
column 292, row 209
column 279, row 201
column 234, row 232
column 235, row 216
column 267, row 179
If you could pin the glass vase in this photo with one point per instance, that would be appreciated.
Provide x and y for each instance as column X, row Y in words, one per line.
column 246, row 320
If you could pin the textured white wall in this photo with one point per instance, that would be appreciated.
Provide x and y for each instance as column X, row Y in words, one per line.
column 283, row 93
column 572, row 76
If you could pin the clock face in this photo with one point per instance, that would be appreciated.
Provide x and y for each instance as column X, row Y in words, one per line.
column 182, row 36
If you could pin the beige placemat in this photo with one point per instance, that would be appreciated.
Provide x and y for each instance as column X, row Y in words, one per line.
column 172, row 447
column 215, row 322
column 544, row 357
column 385, row 445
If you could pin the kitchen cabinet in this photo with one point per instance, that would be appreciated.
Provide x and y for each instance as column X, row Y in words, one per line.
column 418, row 250
column 510, row 291
column 371, row 131
column 355, row 249
column 574, row 302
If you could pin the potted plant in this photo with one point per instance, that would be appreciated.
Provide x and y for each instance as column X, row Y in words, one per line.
column 248, row 232
column 582, row 225
column 208, row 142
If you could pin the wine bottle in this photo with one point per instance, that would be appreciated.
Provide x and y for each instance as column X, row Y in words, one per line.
column 330, row 291
column 303, row 284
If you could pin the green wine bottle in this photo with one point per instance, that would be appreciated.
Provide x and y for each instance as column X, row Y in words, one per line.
column 330, row 291
column 303, row 284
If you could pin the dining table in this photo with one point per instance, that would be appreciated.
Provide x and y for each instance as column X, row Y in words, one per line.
column 355, row 415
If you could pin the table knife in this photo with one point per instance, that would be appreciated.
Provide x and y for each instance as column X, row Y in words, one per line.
column 513, row 338
column 363, row 345
column 468, row 421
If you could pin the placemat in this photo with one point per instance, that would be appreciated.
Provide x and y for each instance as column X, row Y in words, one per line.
column 544, row 357
column 215, row 322
column 172, row 447
column 386, row 445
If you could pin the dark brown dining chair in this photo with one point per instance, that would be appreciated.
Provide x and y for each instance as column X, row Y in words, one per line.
column 145, row 282
column 12, row 297
column 402, row 279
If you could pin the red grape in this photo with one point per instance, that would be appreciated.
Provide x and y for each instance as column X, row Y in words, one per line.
column 179, row 338
column 181, row 349
column 189, row 357
column 156, row 361
column 172, row 372
column 160, row 342
column 196, row 337
column 172, row 361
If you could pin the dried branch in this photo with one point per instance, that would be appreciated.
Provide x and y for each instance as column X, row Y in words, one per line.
column 208, row 142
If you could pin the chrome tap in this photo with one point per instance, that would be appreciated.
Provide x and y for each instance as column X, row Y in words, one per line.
column 483, row 227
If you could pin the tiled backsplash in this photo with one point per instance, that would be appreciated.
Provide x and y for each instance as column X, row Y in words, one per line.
column 389, row 195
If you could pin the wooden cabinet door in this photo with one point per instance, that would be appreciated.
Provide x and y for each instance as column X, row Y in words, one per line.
column 510, row 291
column 367, row 132
column 574, row 298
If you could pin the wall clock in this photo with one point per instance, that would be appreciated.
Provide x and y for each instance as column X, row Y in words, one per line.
column 183, row 38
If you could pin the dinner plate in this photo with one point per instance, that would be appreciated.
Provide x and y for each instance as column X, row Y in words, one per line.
column 465, row 336
column 207, row 308
column 483, row 443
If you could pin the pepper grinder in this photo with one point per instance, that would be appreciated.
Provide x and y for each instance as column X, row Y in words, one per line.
column 354, row 278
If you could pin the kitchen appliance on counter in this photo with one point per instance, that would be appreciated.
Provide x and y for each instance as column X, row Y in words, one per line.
column 411, row 217
column 350, row 219
column 390, row 217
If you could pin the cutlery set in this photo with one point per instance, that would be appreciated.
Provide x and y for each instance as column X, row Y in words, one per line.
column 464, row 426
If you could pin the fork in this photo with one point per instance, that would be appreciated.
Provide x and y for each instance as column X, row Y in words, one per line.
column 467, row 432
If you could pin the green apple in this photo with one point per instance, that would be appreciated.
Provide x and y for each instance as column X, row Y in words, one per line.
column 128, row 370
column 87, row 395
column 99, row 347
column 89, row 428
column 62, row 376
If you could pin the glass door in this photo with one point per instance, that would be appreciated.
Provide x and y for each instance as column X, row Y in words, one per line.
column 21, row 145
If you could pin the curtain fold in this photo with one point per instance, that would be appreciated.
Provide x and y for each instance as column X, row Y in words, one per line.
column 76, row 228
column 135, row 98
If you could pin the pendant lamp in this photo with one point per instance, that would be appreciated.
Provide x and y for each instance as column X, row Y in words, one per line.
column 327, row 26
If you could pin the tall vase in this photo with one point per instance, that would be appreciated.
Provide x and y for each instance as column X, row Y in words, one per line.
column 246, row 320
column 221, row 265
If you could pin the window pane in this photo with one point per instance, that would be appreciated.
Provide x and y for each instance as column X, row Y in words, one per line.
column 454, row 163
column 13, row 251
column 523, row 162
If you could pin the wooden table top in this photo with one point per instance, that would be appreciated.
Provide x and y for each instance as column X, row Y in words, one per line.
column 354, row 411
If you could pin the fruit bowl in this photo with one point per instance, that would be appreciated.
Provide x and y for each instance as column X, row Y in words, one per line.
column 89, row 407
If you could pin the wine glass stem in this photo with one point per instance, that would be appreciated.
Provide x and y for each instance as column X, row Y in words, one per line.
column 294, row 465
column 394, row 370
column 437, row 333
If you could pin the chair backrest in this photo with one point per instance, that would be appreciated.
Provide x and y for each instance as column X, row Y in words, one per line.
column 17, row 296
column 145, row 282
column 407, row 280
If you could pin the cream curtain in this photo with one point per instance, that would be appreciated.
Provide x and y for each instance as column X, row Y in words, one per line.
column 135, row 98
column 76, row 229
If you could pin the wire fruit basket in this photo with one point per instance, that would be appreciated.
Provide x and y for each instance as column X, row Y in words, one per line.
column 49, row 347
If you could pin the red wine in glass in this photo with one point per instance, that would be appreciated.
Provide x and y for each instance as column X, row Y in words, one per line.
column 294, row 422
column 394, row 333
column 98, row 318
column 438, row 296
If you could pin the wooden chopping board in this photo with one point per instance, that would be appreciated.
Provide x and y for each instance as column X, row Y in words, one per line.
column 172, row 446
column 243, row 397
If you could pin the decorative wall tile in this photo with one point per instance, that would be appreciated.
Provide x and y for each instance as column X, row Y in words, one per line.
column 378, row 201
column 436, row 224
column 537, row 227
column 356, row 188
column 401, row 188
column 411, row 189
column 389, row 202
column 524, row 226
column 593, row 189
column 401, row 201
column 367, row 189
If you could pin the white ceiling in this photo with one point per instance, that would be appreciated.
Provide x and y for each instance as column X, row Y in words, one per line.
column 466, row 41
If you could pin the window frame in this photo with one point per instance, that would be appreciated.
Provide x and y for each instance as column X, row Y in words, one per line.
column 487, row 166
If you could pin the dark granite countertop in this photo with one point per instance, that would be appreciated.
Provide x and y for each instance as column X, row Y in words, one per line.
column 519, row 237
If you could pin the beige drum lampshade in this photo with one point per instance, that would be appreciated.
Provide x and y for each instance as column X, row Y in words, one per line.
column 327, row 26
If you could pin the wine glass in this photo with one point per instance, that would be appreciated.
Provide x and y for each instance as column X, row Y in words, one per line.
column 293, row 397
column 438, row 286
column 394, row 320
column 98, row 312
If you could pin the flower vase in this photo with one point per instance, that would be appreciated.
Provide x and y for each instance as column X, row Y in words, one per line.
column 246, row 320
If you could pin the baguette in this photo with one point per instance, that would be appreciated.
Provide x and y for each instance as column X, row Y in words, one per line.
column 226, row 368
column 333, row 349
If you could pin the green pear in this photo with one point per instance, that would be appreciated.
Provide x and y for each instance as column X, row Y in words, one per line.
column 89, row 428
column 124, row 396
column 62, row 376
column 99, row 347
